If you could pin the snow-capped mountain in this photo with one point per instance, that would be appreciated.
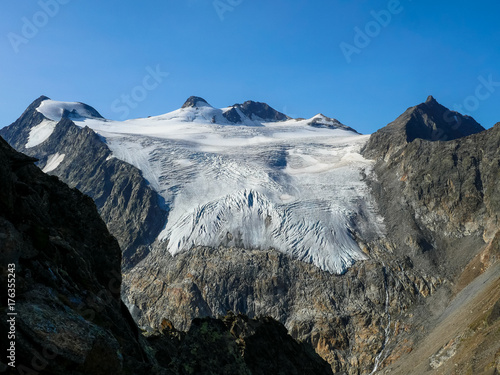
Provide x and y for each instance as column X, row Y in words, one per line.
column 242, row 208
column 245, row 175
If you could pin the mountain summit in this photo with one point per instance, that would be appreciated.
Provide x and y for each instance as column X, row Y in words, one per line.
column 55, row 111
column 430, row 99
column 322, row 121
column 195, row 101
column 429, row 121
column 254, row 111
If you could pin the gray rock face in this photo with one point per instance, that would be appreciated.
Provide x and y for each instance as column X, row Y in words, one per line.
column 132, row 210
column 441, row 202
column 235, row 344
column 448, row 198
column 347, row 319
column 233, row 116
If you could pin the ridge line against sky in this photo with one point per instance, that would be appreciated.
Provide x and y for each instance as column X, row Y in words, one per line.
column 361, row 63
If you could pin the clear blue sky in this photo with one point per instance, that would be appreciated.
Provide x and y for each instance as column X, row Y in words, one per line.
column 285, row 53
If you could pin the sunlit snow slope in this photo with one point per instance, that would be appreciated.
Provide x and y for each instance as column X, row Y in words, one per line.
column 291, row 185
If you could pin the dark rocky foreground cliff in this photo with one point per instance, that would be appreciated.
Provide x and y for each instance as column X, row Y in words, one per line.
column 70, row 319
column 67, row 266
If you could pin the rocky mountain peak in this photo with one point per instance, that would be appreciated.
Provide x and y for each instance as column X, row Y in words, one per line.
column 259, row 110
column 56, row 110
column 430, row 99
column 432, row 105
column 42, row 98
column 195, row 101
column 35, row 104
column 322, row 121
column 429, row 121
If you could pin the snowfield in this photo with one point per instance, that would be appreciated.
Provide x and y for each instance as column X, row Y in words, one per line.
column 53, row 162
column 53, row 110
column 40, row 133
column 284, row 185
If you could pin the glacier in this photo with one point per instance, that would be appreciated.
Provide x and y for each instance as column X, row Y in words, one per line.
column 295, row 185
